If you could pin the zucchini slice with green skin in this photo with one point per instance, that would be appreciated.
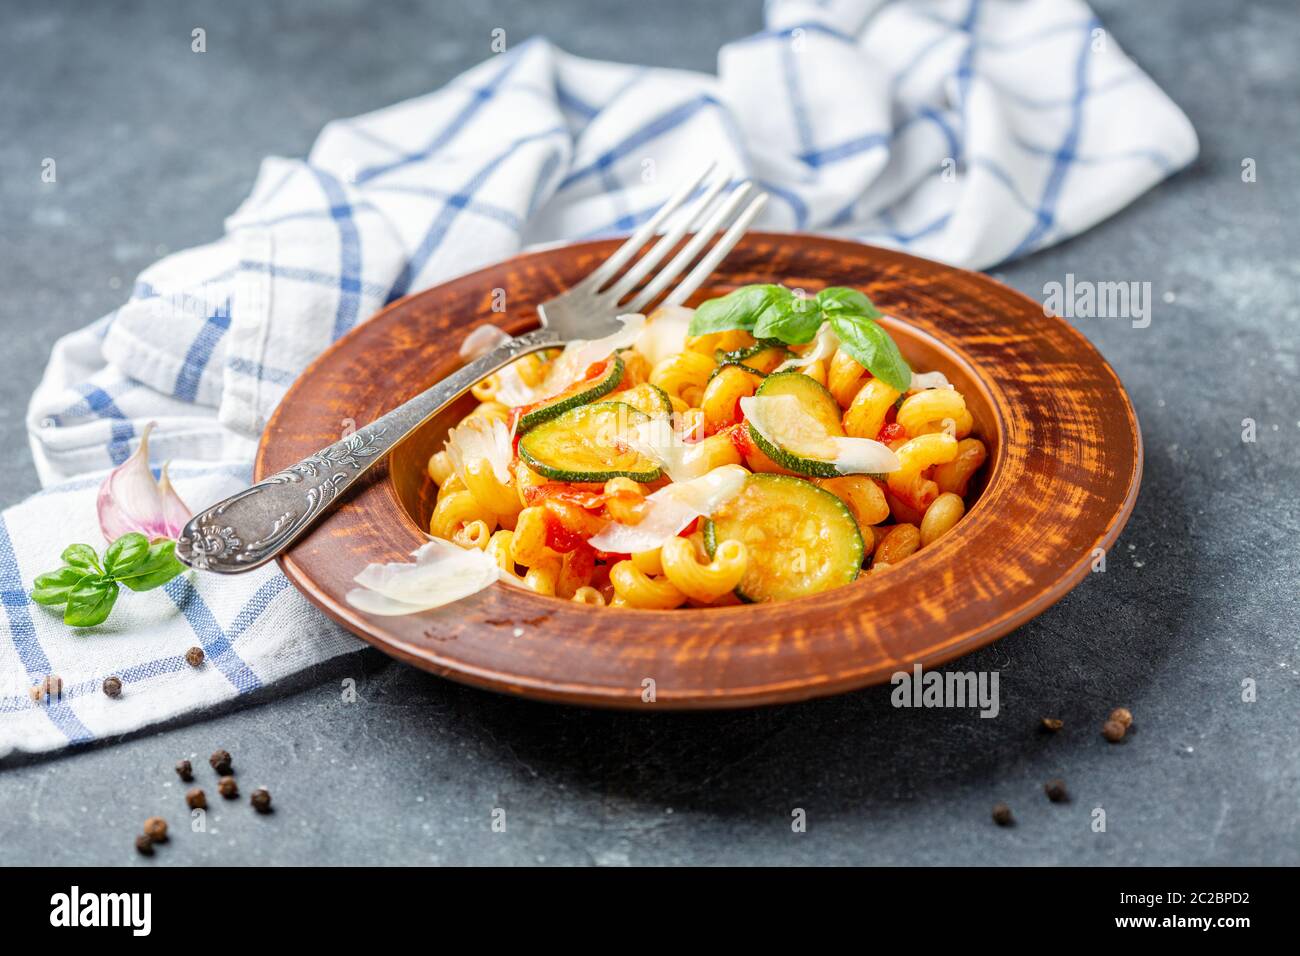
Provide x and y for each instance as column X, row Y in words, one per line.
column 751, row 371
column 801, row 539
column 583, row 444
column 763, row 356
column 816, row 403
column 645, row 397
column 576, row 395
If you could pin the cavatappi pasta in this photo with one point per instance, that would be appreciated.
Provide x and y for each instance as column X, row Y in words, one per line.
column 543, row 478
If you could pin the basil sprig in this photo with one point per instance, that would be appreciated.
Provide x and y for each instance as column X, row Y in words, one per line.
column 87, row 587
column 775, row 312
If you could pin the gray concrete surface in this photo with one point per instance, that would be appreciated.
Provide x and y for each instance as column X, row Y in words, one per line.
column 1201, row 593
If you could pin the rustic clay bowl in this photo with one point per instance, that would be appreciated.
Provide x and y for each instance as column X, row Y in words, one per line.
column 1063, row 473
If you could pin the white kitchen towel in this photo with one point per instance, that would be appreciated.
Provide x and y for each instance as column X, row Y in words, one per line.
column 252, row 634
column 972, row 131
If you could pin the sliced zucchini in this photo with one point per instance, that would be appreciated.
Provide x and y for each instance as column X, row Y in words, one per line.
column 784, row 448
column 746, row 351
column 751, row 371
column 584, row 444
column 645, row 397
column 801, row 539
column 763, row 356
column 576, row 395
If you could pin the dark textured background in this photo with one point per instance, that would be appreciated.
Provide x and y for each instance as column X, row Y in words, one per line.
column 155, row 146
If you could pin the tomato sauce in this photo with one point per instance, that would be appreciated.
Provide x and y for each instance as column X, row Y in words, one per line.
column 891, row 431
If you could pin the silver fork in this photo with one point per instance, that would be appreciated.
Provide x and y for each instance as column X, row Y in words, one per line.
column 253, row 526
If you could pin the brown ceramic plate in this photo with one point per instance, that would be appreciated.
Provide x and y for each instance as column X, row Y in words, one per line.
column 1064, row 466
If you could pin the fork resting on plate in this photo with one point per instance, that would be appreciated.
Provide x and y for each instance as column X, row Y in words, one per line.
column 257, row 524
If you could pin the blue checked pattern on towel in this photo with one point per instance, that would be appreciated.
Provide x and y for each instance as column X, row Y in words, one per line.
column 972, row 131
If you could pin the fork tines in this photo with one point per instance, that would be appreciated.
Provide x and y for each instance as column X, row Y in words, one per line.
column 701, row 215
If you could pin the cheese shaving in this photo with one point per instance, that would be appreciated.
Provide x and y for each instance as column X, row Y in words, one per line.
column 670, row 509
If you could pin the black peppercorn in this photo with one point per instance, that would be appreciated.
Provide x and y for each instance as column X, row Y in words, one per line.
column 194, row 656
column 113, row 686
column 155, row 828
column 1056, row 792
column 220, row 761
column 144, row 845
column 1002, row 815
column 185, row 770
column 261, row 800
column 1113, row 731
column 196, row 799
column 227, row 787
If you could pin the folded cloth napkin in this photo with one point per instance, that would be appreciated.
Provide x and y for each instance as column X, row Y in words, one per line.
column 972, row 131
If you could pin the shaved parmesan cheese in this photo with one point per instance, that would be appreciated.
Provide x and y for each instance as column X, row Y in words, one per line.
column 480, row 437
column 672, row 508
column 664, row 334
column 924, row 380
column 823, row 347
column 372, row 602
column 578, row 355
column 441, row 574
column 782, row 420
column 864, row 456
column 664, row 445
column 708, row 492
column 482, row 341
column 568, row 368
column 512, row 389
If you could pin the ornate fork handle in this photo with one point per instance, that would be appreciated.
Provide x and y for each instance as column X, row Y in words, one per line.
column 253, row 526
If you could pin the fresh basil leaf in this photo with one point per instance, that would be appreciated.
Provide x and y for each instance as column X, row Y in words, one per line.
column 793, row 328
column 81, row 556
column 780, row 302
column 54, row 588
column 796, row 325
column 159, row 567
column 872, row 348
column 90, row 603
column 839, row 299
column 125, row 553
column 739, row 309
